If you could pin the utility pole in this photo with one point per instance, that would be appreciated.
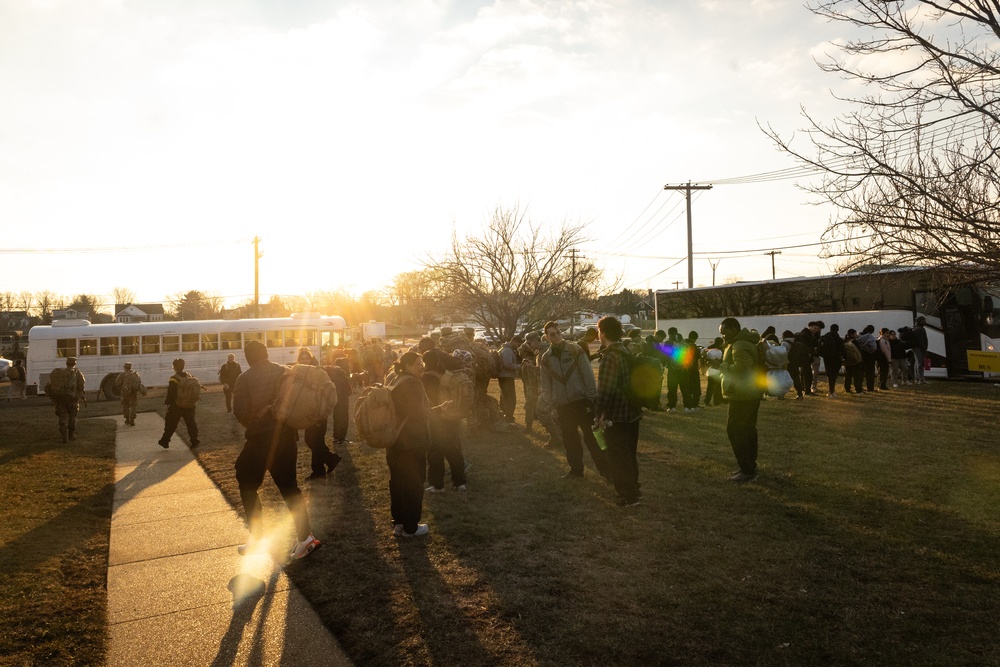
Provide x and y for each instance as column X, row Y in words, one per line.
column 714, row 265
column 256, row 276
column 772, row 254
column 572, row 289
column 687, row 188
column 677, row 284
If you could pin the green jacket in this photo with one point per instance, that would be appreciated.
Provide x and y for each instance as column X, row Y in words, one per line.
column 743, row 377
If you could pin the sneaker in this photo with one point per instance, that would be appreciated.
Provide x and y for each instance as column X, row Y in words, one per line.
column 743, row 478
column 434, row 489
column 628, row 502
column 195, row 443
column 305, row 547
column 688, row 409
column 895, row 386
column 165, row 445
column 573, row 475
column 253, row 545
column 831, row 395
column 460, row 487
column 671, row 409
column 317, row 475
column 331, row 462
column 421, row 530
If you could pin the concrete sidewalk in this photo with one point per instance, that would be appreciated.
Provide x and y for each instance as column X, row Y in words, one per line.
column 178, row 591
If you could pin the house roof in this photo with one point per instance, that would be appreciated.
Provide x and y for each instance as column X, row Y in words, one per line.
column 148, row 308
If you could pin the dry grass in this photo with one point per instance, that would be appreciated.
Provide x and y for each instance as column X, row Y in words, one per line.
column 871, row 538
column 872, row 528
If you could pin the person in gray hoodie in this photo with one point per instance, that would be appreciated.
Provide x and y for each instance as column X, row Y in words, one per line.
column 567, row 381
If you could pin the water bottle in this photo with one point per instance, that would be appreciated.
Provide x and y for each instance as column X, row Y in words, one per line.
column 599, row 436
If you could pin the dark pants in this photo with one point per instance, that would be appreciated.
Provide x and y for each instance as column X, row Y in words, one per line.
column 883, row 372
column 868, row 363
column 173, row 418
column 508, row 398
column 573, row 418
column 446, row 444
column 341, row 418
column 407, row 470
column 741, row 428
column 854, row 375
column 673, row 384
column 623, row 439
column 691, row 387
column 315, row 437
column 832, row 366
column 228, row 391
column 805, row 377
column 276, row 453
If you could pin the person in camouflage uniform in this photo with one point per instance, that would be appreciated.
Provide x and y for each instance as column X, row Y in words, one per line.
column 67, row 403
column 129, row 385
column 535, row 406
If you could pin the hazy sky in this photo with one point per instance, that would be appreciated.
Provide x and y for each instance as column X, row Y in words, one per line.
column 156, row 138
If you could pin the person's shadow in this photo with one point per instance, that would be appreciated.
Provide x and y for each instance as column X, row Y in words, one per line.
column 248, row 592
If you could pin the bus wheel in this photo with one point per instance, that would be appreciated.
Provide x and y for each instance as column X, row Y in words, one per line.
column 108, row 389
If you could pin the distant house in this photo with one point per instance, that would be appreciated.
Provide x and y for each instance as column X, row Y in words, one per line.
column 139, row 312
column 14, row 320
column 71, row 314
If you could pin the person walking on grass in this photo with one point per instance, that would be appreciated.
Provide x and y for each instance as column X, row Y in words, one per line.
column 446, row 430
column 617, row 416
column 175, row 411
column 566, row 380
column 269, row 447
column 407, row 456
column 743, row 389
column 322, row 460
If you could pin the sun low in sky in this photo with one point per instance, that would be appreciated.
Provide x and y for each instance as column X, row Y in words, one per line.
column 143, row 144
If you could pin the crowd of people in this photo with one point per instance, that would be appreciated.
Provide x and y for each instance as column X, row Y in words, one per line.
column 444, row 379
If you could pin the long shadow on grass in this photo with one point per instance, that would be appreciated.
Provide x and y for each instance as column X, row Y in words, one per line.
column 363, row 617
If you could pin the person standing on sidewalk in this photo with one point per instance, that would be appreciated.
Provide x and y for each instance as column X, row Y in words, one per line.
column 175, row 411
column 616, row 414
column 269, row 447
column 741, row 387
column 227, row 376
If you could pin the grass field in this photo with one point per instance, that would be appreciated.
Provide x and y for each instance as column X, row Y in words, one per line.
column 871, row 538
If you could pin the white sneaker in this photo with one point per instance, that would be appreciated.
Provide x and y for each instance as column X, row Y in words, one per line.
column 461, row 487
column 895, row 386
column 252, row 546
column 305, row 547
column 422, row 529
column 434, row 489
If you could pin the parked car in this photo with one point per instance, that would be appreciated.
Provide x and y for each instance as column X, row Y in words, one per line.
column 4, row 365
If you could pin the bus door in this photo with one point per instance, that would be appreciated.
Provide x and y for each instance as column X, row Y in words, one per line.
column 960, row 326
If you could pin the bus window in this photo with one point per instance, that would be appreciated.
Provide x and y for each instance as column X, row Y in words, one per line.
column 109, row 346
column 292, row 339
column 150, row 344
column 88, row 347
column 189, row 342
column 209, row 341
column 310, row 337
column 130, row 345
column 66, row 347
column 231, row 340
column 172, row 343
column 274, row 339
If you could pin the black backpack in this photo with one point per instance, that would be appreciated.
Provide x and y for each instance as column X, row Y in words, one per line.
column 906, row 336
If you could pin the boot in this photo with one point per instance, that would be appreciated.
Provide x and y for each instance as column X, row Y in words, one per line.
column 62, row 432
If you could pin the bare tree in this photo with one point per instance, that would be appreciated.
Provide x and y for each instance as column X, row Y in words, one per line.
column 514, row 273
column 45, row 301
column 122, row 296
column 414, row 291
column 913, row 168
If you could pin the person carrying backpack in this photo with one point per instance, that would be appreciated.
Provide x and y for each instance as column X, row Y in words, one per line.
column 831, row 348
column 868, row 345
column 65, row 388
column 919, row 349
column 446, row 433
column 322, row 460
column 18, row 380
column 269, row 447
column 853, row 363
column 129, row 386
column 179, row 406
column 617, row 414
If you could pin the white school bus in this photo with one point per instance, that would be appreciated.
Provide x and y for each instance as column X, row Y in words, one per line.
column 101, row 350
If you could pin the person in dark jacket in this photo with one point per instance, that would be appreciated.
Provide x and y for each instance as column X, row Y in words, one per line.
column 269, row 447
column 831, row 348
column 227, row 376
column 175, row 412
column 868, row 345
column 616, row 414
column 339, row 373
column 407, row 457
